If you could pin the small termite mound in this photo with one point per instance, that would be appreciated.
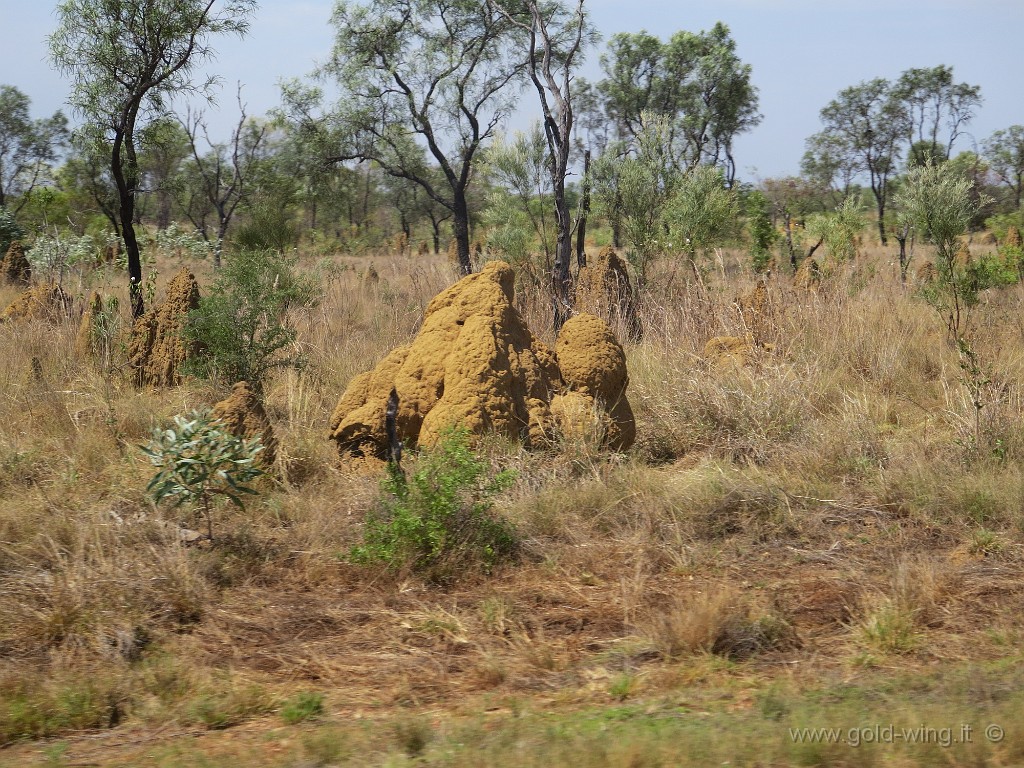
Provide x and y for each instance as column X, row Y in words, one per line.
column 43, row 302
column 15, row 269
column 158, row 347
column 243, row 415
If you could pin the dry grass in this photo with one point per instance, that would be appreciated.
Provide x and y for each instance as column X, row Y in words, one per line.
column 832, row 508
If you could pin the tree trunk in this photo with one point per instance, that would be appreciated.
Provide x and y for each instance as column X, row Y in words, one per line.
column 787, row 220
column 460, row 226
column 126, row 202
column 563, row 256
column 163, row 217
column 581, row 226
column 881, row 218
column 435, row 226
column 901, row 238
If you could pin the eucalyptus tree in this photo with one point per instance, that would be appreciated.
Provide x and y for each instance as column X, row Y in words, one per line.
column 27, row 147
column 1004, row 151
column 163, row 146
column 220, row 173
column 86, row 177
column 555, row 38
column 419, row 79
column 694, row 79
column 829, row 165
column 934, row 102
column 865, row 127
column 937, row 199
column 126, row 59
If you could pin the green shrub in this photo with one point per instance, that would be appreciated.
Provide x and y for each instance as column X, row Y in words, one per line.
column 270, row 227
column 995, row 271
column 762, row 234
column 439, row 520
column 229, row 704
column 197, row 461
column 9, row 231
column 241, row 323
column 303, row 706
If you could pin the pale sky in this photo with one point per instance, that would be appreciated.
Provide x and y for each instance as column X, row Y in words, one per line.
column 803, row 52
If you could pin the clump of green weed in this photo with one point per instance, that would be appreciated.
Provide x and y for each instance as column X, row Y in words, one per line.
column 229, row 705
column 305, row 705
column 439, row 520
column 197, row 460
column 31, row 708
column 890, row 627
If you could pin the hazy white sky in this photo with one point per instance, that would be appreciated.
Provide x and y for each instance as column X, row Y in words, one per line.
column 802, row 53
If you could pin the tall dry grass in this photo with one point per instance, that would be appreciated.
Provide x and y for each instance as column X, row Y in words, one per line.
column 840, row 501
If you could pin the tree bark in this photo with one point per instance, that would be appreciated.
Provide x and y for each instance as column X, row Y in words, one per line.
column 460, row 226
column 881, row 220
column 787, row 220
column 581, row 231
column 563, row 256
column 901, row 238
column 125, row 179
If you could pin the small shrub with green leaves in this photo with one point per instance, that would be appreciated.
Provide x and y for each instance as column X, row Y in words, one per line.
column 241, row 323
column 197, row 461
column 56, row 255
column 175, row 241
column 439, row 521
column 305, row 705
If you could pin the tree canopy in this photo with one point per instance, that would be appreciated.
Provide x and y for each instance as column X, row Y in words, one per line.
column 126, row 60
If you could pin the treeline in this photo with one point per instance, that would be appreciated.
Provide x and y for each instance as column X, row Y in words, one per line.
column 411, row 149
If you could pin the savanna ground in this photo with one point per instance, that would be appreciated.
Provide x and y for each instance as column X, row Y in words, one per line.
column 829, row 537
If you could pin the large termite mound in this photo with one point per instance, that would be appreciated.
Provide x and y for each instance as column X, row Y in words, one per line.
column 473, row 365
column 15, row 269
column 43, row 302
column 242, row 414
column 158, row 346
column 603, row 288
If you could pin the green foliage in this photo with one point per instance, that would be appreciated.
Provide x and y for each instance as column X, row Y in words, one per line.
column 695, row 81
column 305, row 705
column 9, row 230
column 702, row 211
column 53, row 256
column 34, row 711
column 28, row 148
column 1000, row 224
column 523, row 201
column 939, row 202
column 762, row 234
column 632, row 186
column 839, row 229
column 269, row 227
column 995, row 270
column 510, row 234
column 196, row 460
column 241, row 323
column 439, row 520
column 175, row 241
column 1004, row 150
column 230, row 704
